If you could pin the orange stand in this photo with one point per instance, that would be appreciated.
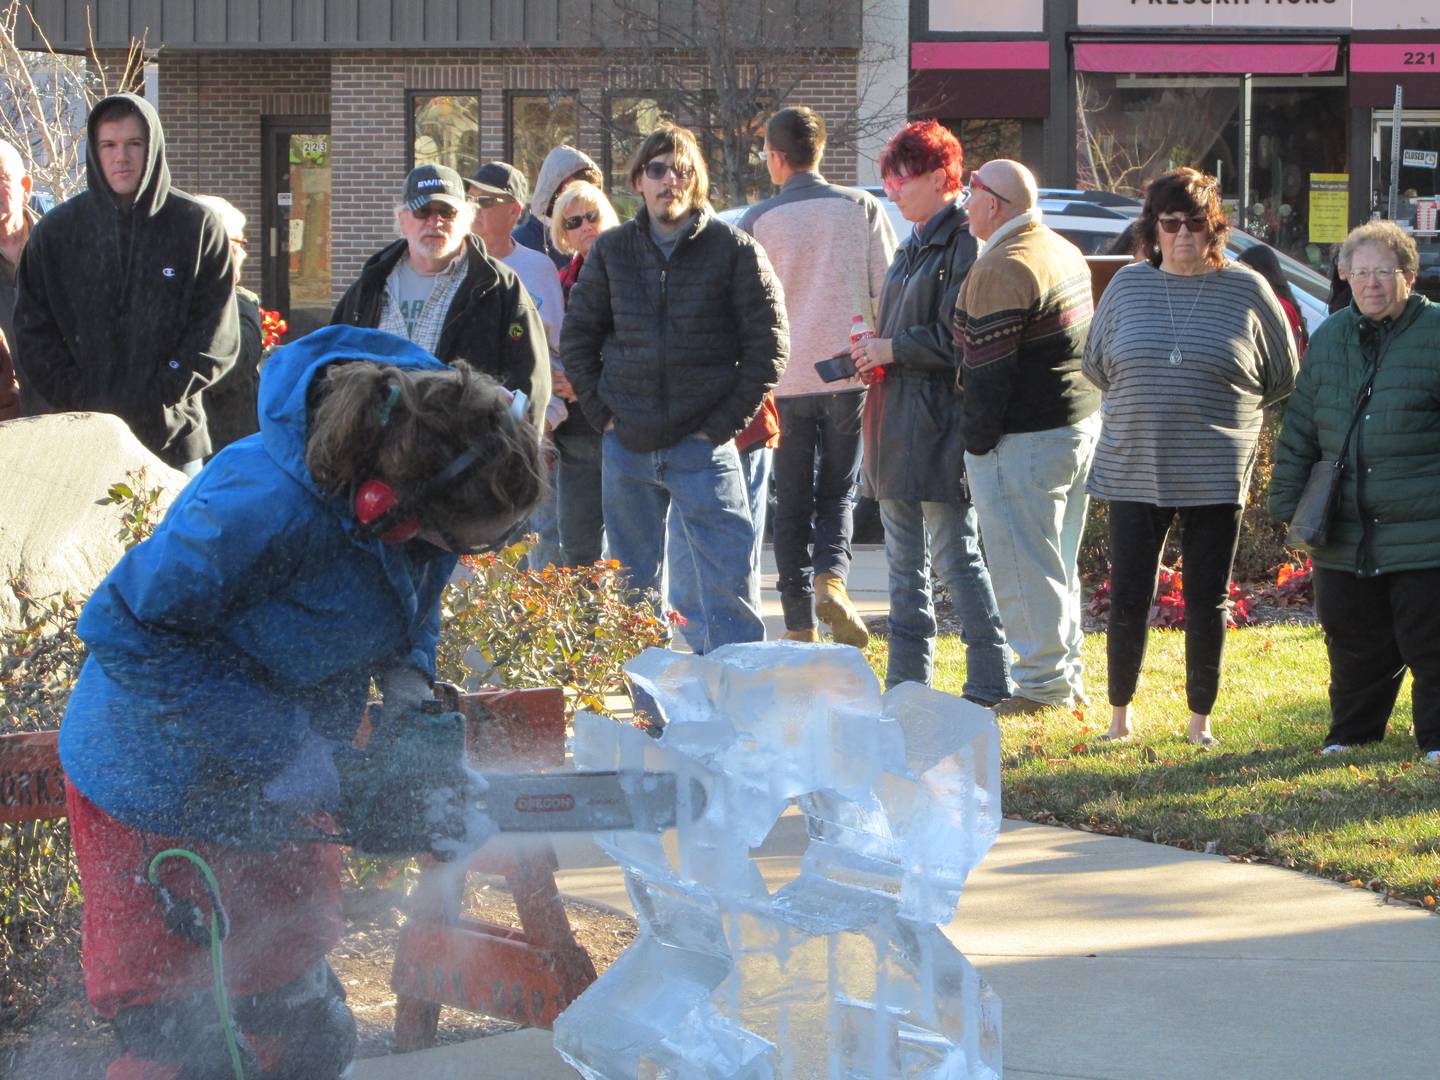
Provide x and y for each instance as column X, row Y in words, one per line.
column 528, row 975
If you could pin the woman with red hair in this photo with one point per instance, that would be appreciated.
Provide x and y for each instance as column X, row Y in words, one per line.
column 914, row 456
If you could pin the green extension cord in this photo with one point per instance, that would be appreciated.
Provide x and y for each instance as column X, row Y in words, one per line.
column 217, row 965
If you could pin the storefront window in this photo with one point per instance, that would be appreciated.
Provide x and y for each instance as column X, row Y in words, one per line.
column 1130, row 129
column 1297, row 134
column 986, row 140
column 1417, row 201
column 445, row 130
column 537, row 123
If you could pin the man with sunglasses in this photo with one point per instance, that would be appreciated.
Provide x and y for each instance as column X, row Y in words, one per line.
column 500, row 192
column 437, row 287
column 1030, row 423
column 675, row 332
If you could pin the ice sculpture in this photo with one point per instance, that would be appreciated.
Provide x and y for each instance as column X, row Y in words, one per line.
column 842, row 973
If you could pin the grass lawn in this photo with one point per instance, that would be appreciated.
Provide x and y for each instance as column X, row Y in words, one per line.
column 1370, row 817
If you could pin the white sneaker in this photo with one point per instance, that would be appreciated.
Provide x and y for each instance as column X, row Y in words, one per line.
column 1339, row 748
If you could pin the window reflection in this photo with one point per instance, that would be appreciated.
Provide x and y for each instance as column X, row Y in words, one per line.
column 447, row 131
column 538, row 124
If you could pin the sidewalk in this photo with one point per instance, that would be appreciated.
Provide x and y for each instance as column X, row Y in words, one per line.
column 1117, row 959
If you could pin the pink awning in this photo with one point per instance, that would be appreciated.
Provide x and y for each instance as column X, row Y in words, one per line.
column 1206, row 58
column 980, row 55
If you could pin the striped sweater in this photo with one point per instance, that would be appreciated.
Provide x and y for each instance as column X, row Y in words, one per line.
column 1020, row 324
column 1185, row 434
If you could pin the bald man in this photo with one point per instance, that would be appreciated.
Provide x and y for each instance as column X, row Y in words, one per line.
column 1030, row 421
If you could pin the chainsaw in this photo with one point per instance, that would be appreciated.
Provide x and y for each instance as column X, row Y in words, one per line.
column 408, row 791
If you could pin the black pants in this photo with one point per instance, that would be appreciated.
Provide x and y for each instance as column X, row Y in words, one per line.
column 816, row 465
column 1375, row 628
column 1208, row 535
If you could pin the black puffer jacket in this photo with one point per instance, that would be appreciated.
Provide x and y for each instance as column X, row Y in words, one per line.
column 492, row 323
column 911, row 424
column 691, row 344
column 129, row 310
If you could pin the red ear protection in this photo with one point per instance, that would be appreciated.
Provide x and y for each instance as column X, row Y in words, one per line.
column 378, row 510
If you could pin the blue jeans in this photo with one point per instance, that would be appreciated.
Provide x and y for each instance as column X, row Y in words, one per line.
column 582, row 511
column 916, row 532
column 1030, row 494
column 707, row 488
column 682, row 589
column 545, row 519
column 816, row 466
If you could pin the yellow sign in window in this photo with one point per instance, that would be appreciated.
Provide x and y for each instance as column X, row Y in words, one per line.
column 1329, row 207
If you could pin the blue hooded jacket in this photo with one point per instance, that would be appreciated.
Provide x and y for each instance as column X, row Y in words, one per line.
column 251, row 621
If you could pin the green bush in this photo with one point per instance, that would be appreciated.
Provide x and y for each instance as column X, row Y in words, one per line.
column 572, row 627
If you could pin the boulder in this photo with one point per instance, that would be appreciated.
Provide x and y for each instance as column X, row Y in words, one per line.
column 54, row 533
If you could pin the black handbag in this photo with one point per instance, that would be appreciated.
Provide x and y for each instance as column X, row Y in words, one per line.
column 1310, row 524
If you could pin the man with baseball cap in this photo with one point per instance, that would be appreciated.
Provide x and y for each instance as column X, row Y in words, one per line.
column 500, row 192
column 437, row 287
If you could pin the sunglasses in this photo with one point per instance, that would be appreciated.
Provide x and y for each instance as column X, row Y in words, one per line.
column 573, row 223
column 444, row 211
column 1197, row 224
column 976, row 184
column 658, row 170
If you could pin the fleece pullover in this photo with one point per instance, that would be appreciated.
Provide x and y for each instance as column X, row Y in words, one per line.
column 831, row 248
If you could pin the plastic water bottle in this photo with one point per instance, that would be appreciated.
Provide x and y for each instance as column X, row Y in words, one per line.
column 859, row 331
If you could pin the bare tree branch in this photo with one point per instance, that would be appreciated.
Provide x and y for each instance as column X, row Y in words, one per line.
column 45, row 98
column 726, row 68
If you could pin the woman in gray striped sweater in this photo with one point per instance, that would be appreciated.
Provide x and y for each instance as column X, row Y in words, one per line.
column 1188, row 349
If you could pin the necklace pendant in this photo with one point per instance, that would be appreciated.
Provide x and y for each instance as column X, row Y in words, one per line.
column 1175, row 356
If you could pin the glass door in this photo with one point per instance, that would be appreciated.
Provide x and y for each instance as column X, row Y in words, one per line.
column 1418, row 205
column 296, row 239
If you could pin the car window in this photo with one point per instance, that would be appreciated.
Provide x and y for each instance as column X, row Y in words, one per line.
column 1089, row 243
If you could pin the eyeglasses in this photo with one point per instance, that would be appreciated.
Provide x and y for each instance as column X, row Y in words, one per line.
column 976, row 184
column 573, row 223
column 457, row 546
column 1383, row 274
column 444, row 211
column 895, row 183
column 239, row 242
column 658, row 170
column 1199, row 223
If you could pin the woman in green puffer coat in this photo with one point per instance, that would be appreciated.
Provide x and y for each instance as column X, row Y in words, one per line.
column 1377, row 576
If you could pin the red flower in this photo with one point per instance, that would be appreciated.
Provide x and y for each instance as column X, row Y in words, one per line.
column 272, row 328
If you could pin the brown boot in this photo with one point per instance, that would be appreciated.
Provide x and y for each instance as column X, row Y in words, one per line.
column 808, row 634
column 833, row 606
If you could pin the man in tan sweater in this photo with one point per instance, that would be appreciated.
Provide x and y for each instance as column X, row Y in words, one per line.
column 1030, row 426
column 830, row 247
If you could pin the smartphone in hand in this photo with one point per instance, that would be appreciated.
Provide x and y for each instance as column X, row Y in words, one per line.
column 835, row 368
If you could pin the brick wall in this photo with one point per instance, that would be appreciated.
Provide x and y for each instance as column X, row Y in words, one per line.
column 212, row 103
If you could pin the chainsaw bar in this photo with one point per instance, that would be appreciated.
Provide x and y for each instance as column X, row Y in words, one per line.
column 587, row 801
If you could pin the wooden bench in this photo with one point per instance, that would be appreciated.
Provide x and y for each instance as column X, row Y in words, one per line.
column 441, row 958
